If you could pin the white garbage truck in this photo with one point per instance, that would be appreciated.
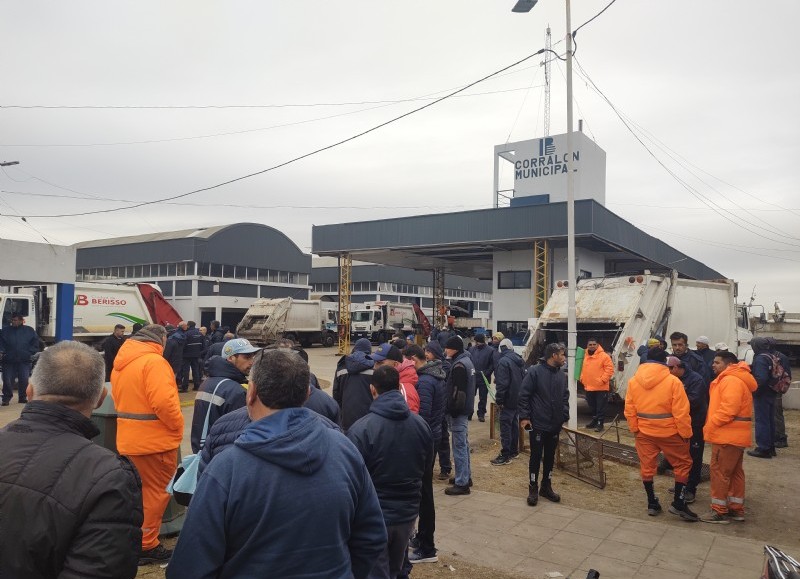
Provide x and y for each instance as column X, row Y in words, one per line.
column 624, row 311
column 378, row 321
column 304, row 321
column 97, row 308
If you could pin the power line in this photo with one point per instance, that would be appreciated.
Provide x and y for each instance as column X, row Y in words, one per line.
column 258, row 129
column 705, row 200
column 304, row 156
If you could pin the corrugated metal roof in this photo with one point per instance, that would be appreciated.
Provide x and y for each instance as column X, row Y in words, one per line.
column 200, row 232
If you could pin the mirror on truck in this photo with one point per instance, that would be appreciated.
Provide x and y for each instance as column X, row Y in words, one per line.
column 12, row 306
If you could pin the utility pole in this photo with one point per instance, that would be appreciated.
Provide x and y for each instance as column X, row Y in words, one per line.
column 548, row 47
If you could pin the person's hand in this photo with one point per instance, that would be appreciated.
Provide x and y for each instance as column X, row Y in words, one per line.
column 525, row 424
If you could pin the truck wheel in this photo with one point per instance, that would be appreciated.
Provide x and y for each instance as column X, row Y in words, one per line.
column 328, row 340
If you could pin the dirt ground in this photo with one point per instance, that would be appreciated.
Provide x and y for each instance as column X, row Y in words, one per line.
column 772, row 506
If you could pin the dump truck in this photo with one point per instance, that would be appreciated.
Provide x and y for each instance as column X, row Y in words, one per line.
column 97, row 308
column 304, row 321
column 624, row 311
column 378, row 321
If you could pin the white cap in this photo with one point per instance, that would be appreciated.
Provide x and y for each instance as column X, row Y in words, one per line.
column 720, row 346
column 505, row 344
column 703, row 340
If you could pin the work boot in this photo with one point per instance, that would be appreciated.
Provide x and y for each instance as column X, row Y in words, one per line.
column 599, row 427
column 688, row 497
column 548, row 492
column 443, row 475
column 678, row 506
column 457, row 490
column 452, row 481
column 654, row 508
column 759, row 453
column 592, row 424
column 533, row 495
column 157, row 554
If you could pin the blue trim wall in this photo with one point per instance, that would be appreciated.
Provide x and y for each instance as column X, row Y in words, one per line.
column 65, row 310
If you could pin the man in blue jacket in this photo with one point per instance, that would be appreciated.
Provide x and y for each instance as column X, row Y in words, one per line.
column 543, row 409
column 290, row 498
column 508, row 381
column 697, row 393
column 193, row 351
column 18, row 343
column 482, row 356
column 351, row 383
column 224, row 389
column 764, row 399
column 460, row 402
column 397, row 447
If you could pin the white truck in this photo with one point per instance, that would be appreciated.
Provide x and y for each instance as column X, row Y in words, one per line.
column 378, row 321
column 303, row 321
column 781, row 326
column 98, row 307
column 624, row 311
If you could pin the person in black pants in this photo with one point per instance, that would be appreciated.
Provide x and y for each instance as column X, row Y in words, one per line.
column 433, row 351
column 543, row 408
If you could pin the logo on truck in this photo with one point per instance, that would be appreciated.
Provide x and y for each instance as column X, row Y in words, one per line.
column 84, row 300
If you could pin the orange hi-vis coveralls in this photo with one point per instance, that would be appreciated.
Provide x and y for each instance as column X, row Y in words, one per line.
column 728, row 429
column 597, row 371
column 657, row 411
column 149, row 425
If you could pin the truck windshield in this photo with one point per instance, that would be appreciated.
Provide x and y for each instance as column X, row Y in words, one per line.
column 363, row 316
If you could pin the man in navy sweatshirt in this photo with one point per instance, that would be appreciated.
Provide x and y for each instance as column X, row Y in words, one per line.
column 290, row 498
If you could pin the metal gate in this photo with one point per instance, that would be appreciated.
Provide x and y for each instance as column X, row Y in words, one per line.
column 581, row 456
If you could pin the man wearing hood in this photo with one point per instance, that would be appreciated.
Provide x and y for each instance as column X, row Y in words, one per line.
column 543, row 409
column 460, row 404
column 596, row 376
column 351, row 383
column 727, row 428
column 397, row 447
column 765, row 398
column 290, row 498
column 149, row 426
column 173, row 349
column 657, row 410
column 483, row 358
column 434, row 351
column 697, row 393
column 224, row 389
column 508, row 381
column 431, row 389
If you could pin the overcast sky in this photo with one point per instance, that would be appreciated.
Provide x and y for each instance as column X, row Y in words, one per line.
column 714, row 83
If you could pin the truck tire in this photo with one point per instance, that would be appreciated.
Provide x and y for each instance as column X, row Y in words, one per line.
column 328, row 340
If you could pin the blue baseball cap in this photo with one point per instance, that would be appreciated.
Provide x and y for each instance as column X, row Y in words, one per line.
column 238, row 346
column 387, row 352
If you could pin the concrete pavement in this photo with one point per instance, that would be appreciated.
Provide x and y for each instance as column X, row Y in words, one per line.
column 504, row 533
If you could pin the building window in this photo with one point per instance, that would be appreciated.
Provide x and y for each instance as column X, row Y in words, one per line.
column 216, row 270
column 584, row 274
column 514, row 279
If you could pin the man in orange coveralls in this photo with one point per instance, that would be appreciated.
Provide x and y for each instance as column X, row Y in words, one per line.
column 657, row 410
column 149, row 426
column 730, row 416
column 596, row 376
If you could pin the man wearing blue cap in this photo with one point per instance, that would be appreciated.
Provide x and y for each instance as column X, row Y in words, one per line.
column 351, row 383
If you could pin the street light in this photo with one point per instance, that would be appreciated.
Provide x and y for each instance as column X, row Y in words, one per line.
column 572, row 324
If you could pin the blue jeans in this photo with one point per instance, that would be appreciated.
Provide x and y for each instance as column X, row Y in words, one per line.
column 458, row 427
column 509, row 432
column 19, row 371
column 764, row 413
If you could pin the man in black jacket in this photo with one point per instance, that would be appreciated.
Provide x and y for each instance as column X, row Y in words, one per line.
column 71, row 508
column 18, row 344
column 460, row 402
column 680, row 349
column 508, row 381
column 173, row 350
column 192, row 353
column 483, row 357
column 111, row 346
column 224, row 389
column 543, row 408
column 351, row 383
column 397, row 446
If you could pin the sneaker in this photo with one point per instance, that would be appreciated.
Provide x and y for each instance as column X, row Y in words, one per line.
column 736, row 515
column 515, row 456
column 443, row 475
column 688, row 497
column 481, row 419
column 456, row 490
column 452, row 480
column 501, row 460
column 715, row 518
column 683, row 512
column 599, row 427
column 592, row 424
column 4, row 403
column 654, row 509
column 420, row 556
column 157, row 554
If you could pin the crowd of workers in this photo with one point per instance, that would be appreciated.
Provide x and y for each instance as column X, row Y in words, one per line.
column 268, row 439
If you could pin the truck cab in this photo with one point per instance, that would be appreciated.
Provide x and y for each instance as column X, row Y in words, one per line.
column 18, row 304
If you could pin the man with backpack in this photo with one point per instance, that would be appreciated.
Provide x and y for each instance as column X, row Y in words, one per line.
column 771, row 370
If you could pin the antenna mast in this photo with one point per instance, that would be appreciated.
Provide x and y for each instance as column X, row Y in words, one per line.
column 548, row 45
